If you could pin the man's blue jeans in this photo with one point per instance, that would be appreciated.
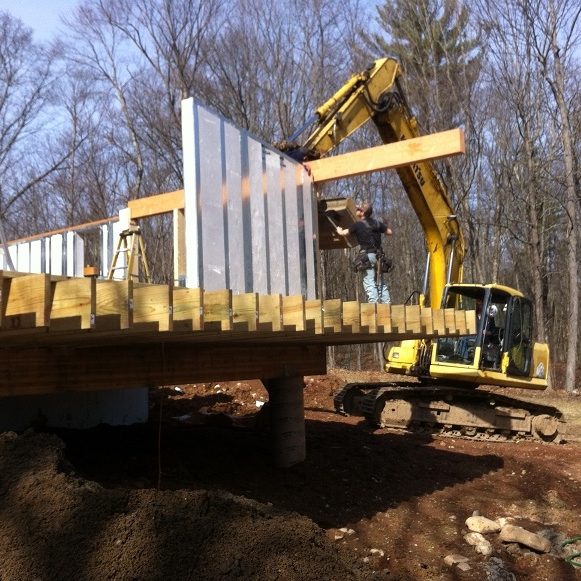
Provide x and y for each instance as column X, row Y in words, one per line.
column 375, row 293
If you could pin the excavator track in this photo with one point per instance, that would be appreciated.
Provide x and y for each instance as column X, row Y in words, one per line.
column 450, row 411
column 348, row 401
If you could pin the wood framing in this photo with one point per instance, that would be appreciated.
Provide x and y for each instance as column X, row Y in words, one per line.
column 156, row 205
column 51, row 370
column 389, row 156
column 83, row 334
column 60, row 334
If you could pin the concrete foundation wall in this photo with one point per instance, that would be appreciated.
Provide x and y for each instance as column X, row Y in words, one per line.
column 74, row 410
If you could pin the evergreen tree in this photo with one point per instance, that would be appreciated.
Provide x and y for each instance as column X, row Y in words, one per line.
column 438, row 49
column 440, row 52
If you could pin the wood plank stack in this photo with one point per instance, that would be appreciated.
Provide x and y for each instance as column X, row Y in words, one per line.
column 42, row 309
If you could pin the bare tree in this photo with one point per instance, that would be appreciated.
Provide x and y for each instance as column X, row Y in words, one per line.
column 271, row 69
column 25, row 91
column 517, row 123
column 97, row 48
column 555, row 29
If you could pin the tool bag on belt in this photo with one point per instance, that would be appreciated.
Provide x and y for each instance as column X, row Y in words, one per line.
column 386, row 263
column 361, row 261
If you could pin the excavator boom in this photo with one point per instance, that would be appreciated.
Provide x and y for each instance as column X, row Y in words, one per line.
column 375, row 94
column 501, row 354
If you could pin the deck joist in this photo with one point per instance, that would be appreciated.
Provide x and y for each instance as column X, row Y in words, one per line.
column 50, row 310
column 60, row 334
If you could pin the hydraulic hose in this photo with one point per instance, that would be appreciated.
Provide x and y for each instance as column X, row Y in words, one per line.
column 571, row 558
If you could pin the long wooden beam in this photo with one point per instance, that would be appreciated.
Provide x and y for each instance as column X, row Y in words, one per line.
column 78, row 228
column 52, row 370
column 156, row 205
column 389, row 156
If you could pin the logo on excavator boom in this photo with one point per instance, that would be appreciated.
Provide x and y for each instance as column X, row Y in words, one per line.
column 419, row 175
column 416, row 169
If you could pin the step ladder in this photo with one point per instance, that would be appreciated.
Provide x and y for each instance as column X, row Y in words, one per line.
column 130, row 246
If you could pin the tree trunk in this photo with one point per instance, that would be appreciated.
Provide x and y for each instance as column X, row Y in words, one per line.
column 558, row 87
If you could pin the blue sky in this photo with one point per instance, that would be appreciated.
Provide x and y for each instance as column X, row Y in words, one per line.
column 41, row 15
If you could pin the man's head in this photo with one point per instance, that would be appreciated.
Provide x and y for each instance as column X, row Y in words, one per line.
column 364, row 210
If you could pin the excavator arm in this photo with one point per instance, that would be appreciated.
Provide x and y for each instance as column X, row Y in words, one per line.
column 351, row 107
column 375, row 94
column 501, row 353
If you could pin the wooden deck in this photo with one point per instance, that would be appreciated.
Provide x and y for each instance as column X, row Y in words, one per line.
column 61, row 334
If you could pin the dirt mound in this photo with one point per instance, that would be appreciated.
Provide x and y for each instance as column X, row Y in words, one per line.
column 57, row 526
column 177, row 498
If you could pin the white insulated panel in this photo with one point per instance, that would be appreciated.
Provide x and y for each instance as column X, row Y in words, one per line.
column 58, row 254
column 294, row 231
column 258, row 232
column 107, row 248
column 248, row 211
column 36, row 253
column 236, row 209
column 306, row 193
column 276, row 251
column 211, row 198
column 75, row 253
column 22, row 263
column 55, row 254
column 113, row 238
column 191, row 210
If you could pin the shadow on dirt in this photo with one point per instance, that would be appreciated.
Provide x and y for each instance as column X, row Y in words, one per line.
column 350, row 472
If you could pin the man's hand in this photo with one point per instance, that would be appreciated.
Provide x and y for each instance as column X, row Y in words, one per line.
column 342, row 231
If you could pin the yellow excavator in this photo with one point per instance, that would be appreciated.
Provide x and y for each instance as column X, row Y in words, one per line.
column 442, row 397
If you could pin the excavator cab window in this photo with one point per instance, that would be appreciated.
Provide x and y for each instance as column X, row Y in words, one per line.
column 518, row 339
column 492, row 330
column 490, row 308
column 459, row 349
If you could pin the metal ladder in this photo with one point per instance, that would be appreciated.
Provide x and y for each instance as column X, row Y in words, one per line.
column 130, row 245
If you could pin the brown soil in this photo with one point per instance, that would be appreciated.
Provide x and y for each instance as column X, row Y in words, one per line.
column 180, row 500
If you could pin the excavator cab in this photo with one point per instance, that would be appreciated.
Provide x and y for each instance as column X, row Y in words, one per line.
column 483, row 349
column 502, row 352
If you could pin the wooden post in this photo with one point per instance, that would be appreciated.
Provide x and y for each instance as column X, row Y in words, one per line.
column 287, row 419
